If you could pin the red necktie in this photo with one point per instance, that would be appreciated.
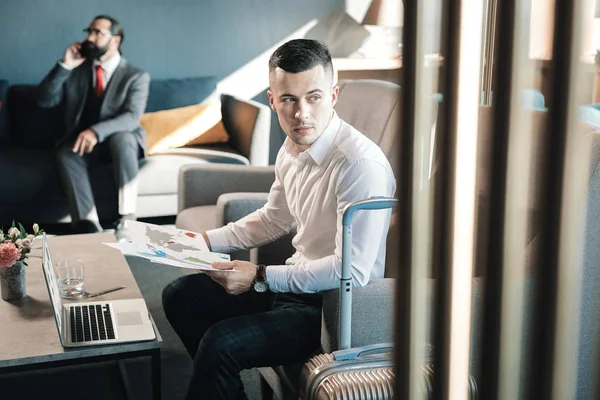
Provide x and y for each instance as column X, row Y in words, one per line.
column 99, row 80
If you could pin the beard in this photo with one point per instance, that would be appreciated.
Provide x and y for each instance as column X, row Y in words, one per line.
column 90, row 51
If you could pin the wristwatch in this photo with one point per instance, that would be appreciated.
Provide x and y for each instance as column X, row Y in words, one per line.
column 259, row 284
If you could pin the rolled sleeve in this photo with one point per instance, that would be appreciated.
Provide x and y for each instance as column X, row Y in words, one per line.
column 277, row 278
column 218, row 240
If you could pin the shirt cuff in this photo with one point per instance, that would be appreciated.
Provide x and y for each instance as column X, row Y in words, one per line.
column 277, row 278
column 64, row 66
column 218, row 241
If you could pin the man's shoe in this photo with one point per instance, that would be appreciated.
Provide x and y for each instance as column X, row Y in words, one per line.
column 87, row 226
column 120, row 223
column 121, row 228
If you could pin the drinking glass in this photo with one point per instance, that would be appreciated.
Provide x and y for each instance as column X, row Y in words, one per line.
column 70, row 278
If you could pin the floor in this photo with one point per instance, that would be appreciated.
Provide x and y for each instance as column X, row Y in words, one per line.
column 103, row 380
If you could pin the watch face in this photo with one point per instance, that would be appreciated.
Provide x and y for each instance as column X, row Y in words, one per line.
column 261, row 286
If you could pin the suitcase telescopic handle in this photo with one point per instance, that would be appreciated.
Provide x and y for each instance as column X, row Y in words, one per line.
column 373, row 203
column 351, row 354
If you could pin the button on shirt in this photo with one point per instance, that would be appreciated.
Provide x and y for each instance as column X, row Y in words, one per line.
column 309, row 194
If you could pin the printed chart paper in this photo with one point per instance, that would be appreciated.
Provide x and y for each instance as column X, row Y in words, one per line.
column 168, row 245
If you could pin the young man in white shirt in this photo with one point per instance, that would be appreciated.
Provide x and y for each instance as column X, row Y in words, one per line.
column 271, row 315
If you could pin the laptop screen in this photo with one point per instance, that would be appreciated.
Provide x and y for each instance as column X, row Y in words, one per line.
column 52, row 283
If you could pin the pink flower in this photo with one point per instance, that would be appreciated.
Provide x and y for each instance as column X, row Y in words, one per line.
column 23, row 243
column 9, row 254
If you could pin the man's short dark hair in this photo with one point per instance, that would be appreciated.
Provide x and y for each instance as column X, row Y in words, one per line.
column 116, row 29
column 300, row 55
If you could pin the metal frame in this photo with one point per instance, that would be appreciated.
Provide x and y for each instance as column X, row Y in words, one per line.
column 488, row 59
column 547, row 377
column 345, row 322
column 454, row 265
column 404, row 288
column 495, row 246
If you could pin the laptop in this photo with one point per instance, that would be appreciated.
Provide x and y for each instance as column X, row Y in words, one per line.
column 98, row 322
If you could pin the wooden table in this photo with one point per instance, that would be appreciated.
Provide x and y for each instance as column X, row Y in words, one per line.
column 28, row 333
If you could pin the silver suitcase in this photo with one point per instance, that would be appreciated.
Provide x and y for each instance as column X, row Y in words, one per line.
column 365, row 372
column 362, row 373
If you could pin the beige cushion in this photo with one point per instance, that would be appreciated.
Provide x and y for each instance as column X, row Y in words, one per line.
column 197, row 219
column 196, row 124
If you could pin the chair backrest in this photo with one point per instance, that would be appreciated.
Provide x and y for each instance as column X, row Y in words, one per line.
column 372, row 107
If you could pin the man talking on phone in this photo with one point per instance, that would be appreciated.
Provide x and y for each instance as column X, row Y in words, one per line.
column 104, row 97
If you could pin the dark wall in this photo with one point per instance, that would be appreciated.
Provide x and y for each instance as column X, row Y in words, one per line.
column 168, row 38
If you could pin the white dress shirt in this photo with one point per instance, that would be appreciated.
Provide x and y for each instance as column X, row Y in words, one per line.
column 108, row 68
column 309, row 194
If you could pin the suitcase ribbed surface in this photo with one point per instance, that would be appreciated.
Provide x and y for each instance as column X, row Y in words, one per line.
column 375, row 384
column 318, row 360
column 368, row 384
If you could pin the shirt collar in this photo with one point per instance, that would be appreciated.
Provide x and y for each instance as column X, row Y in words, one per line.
column 321, row 146
column 109, row 65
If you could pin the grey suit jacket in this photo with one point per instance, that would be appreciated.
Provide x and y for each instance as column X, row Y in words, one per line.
column 123, row 105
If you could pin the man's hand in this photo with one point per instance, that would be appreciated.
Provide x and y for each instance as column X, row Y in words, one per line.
column 72, row 58
column 85, row 142
column 234, row 282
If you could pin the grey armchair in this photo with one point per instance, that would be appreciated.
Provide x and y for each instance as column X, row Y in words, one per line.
column 200, row 185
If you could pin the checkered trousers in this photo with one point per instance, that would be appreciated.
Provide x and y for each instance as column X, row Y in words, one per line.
column 226, row 334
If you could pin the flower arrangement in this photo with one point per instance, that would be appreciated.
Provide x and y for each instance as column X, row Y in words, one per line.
column 15, row 244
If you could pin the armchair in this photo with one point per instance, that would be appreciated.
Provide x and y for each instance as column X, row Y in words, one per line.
column 200, row 185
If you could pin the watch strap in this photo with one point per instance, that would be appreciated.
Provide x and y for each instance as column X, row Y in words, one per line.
column 261, row 273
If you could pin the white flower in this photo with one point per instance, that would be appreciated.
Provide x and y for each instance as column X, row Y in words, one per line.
column 25, row 243
column 30, row 238
column 1, row 236
column 36, row 228
column 13, row 233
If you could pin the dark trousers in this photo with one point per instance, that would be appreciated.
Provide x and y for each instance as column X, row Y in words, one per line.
column 226, row 334
column 122, row 150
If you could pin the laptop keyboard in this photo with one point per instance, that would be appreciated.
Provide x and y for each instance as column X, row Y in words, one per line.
column 90, row 323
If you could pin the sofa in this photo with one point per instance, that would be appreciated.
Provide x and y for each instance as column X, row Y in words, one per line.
column 30, row 183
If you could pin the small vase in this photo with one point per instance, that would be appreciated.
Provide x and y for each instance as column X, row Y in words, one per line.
column 13, row 282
